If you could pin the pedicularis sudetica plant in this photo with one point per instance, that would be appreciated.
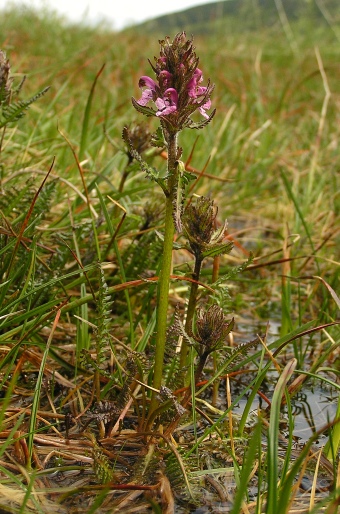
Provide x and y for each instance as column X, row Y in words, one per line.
column 173, row 97
column 11, row 110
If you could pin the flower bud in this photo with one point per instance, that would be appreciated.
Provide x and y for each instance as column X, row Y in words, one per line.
column 212, row 328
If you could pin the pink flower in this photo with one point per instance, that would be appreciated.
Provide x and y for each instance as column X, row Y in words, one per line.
column 165, row 78
column 168, row 103
column 147, row 81
column 204, row 107
column 193, row 83
column 195, row 91
column 148, row 93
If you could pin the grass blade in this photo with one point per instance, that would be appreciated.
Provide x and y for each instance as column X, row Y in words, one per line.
column 273, row 506
column 247, row 466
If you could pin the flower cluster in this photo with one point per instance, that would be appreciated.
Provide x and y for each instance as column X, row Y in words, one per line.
column 177, row 91
column 212, row 328
column 199, row 227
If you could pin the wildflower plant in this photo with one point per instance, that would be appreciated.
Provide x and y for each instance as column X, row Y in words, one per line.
column 11, row 111
column 173, row 97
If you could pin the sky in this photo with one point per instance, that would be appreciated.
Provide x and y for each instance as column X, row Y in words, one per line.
column 119, row 13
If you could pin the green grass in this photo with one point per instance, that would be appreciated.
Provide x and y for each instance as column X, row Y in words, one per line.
column 80, row 249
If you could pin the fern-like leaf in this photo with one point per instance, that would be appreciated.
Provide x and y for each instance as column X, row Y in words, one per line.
column 101, row 463
column 179, row 471
column 13, row 112
column 104, row 317
column 157, row 139
column 232, row 272
column 236, row 353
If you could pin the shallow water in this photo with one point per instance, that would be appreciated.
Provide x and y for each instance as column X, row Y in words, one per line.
column 312, row 410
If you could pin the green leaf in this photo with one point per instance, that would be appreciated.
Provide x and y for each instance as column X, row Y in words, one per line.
column 252, row 452
column 273, row 441
column 87, row 116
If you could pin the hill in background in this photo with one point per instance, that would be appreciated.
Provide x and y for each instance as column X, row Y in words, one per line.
column 245, row 15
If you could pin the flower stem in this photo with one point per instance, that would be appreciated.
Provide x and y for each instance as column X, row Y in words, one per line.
column 191, row 310
column 164, row 277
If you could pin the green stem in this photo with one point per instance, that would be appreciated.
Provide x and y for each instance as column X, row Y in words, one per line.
column 164, row 277
column 163, row 295
column 191, row 310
